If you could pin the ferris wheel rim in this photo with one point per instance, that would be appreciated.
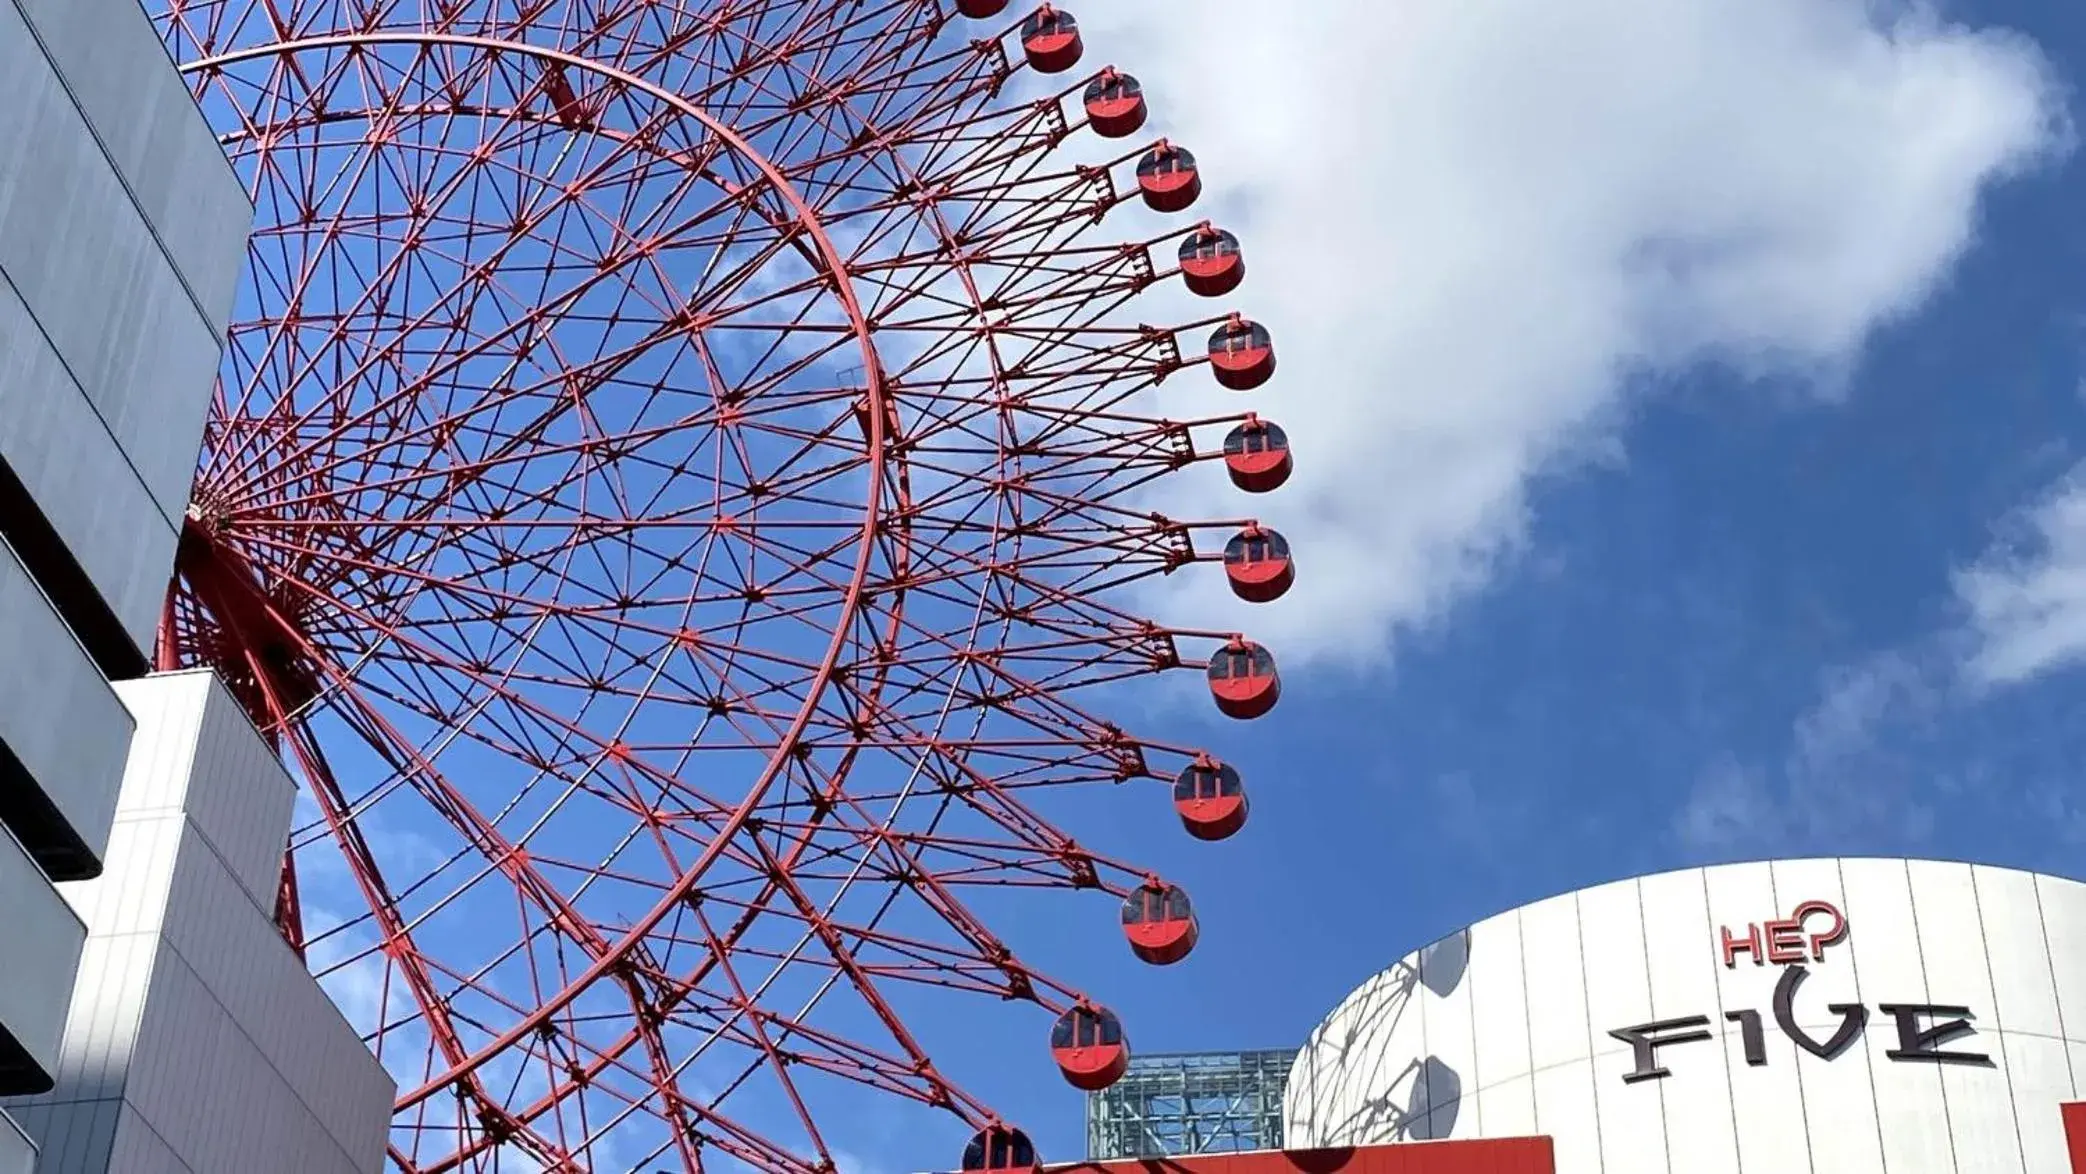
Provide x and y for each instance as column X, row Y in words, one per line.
column 877, row 458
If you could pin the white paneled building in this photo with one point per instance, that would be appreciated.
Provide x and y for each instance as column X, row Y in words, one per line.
column 197, row 1043
column 1856, row 1016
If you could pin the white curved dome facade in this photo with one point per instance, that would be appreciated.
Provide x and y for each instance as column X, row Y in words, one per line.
column 1917, row 1017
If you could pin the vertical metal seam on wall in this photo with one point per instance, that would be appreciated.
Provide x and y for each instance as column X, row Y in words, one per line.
column 1868, row 1056
column 1926, row 993
column 1528, row 1020
column 1651, row 999
column 1803, row 1102
column 2006, row 1071
column 1463, row 983
column 1600, row 1141
column 1716, row 983
column 2042, row 925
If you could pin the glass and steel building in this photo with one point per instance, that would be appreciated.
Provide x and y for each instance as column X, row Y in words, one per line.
column 1190, row 1103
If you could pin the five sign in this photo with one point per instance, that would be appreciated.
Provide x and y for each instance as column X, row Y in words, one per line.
column 1923, row 1028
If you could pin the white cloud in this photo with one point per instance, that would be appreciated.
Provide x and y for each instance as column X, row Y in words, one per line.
column 2026, row 597
column 1847, row 778
column 1469, row 226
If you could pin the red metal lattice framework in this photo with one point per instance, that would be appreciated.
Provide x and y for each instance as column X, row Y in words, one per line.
column 668, row 497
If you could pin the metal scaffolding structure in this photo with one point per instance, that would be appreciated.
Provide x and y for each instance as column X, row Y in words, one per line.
column 1190, row 1103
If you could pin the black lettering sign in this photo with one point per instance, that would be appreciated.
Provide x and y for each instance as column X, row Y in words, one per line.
column 1853, row 1016
column 1922, row 1030
column 1924, row 1043
column 1750, row 1035
column 1646, row 1039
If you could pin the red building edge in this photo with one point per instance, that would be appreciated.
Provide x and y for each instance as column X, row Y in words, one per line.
column 1511, row 1155
column 1514, row 1155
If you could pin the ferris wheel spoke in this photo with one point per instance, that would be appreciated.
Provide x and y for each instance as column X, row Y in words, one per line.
column 637, row 348
column 542, row 913
column 420, row 978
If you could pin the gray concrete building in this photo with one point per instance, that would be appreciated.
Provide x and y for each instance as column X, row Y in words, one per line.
column 122, row 229
column 122, row 232
column 122, row 238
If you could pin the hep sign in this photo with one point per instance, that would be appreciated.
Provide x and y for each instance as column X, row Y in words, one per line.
column 1922, row 1028
column 1788, row 940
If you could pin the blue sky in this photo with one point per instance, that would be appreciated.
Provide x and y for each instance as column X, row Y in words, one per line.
column 1687, row 397
column 1742, row 620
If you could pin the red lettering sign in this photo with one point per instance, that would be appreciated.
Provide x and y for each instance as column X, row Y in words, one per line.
column 1813, row 926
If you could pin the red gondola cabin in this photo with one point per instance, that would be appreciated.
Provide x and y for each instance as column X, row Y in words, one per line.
column 1089, row 1048
column 1160, row 924
column 1050, row 40
column 1243, row 680
column 1167, row 177
column 1258, row 565
column 1242, row 354
column 1256, row 454
column 1000, row 1149
column 981, row 9
column 1211, row 264
column 1114, row 104
column 1210, row 798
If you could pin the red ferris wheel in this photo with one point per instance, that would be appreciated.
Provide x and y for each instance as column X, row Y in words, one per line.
column 673, row 495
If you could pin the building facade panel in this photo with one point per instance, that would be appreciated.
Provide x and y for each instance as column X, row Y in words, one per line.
column 1912, row 1112
column 57, row 447
column 1502, row 1043
column 1612, row 958
column 1959, row 969
column 231, row 947
column 2063, row 909
column 44, row 938
column 1555, row 995
column 80, row 254
column 121, row 229
column 204, row 1084
column 108, row 1009
column 136, row 1150
column 1842, row 1091
column 2037, row 1073
column 1857, row 1016
column 117, row 71
column 2024, row 997
column 196, row 1037
column 1566, row 1108
column 1509, row 1108
column 17, row 1155
column 1449, row 1028
column 63, row 727
column 206, row 760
